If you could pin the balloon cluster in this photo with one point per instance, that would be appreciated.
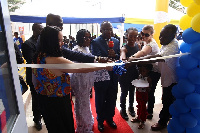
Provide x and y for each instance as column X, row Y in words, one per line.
column 185, row 110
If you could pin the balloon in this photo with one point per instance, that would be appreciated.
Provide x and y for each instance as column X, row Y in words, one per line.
column 180, row 106
column 194, row 76
column 185, row 86
column 195, row 23
column 181, row 72
column 185, row 22
column 188, row 62
column 197, row 89
column 195, row 50
column 186, row 3
column 173, row 111
column 193, row 100
column 195, row 129
column 193, row 9
column 176, row 93
column 185, row 47
column 169, row 130
column 197, row 2
column 196, row 113
column 188, row 120
column 176, row 126
column 190, row 36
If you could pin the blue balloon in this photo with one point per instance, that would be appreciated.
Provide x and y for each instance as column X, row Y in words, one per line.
column 195, row 50
column 176, row 126
column 198, row 123
column 188, row 120
column 176, row 93
column 180, row 106
column 196, row 113
column 197, row 89
column 188, row 62
column 169, row 130
column 194, row 76
column 195, row 129
column 185, row 86
column 173, row 111
column 190, row 36
column 181, row 72
column 185, row 47
column 193, row 100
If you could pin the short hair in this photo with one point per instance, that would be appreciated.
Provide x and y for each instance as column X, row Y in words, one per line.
column 149, row 28
column 15, row 33
column 52, row 20
column 80, row 36
column 132, row 28
column 49, row 42
column 34, row 26
column 105, row 22
column 171, row 28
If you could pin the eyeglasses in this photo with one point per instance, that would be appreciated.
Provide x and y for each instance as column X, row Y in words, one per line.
column 144, row 34
column 107, row 30
column 86, row 38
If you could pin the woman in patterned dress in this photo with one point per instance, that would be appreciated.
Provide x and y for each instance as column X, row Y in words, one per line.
column 81, row 84
column 53, row 85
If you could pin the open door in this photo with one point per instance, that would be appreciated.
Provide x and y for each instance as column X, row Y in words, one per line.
column 12, row 114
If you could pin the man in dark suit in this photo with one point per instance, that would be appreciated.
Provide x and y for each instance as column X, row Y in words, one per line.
column 106, row 91
column 28, row 51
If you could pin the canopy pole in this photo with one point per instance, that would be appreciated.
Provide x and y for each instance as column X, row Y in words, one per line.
column 70, row 31
column 122, row 34
column 161, row 18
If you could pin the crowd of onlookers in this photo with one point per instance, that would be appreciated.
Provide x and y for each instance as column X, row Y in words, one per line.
column 51, row 88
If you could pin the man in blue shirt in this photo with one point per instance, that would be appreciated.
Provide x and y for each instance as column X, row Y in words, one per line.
column 17, row 40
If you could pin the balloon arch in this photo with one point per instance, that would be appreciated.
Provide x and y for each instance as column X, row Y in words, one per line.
column 185, row 110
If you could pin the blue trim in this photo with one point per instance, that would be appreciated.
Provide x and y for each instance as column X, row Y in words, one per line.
column 66, row 20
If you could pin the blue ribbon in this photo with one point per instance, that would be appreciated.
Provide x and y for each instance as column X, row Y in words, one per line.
column 119, row 69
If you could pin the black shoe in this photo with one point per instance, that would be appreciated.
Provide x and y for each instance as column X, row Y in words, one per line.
column 124, row 115
column 38, row 125
column 149, row 116
column 91, row 93
column 112, row 124
column 100, row 127
column 131, row 111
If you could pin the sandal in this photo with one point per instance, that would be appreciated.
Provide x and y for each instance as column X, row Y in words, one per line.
column 141, row 126
column 135, row 120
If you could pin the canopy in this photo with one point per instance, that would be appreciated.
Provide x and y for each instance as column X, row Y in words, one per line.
column 66, row 20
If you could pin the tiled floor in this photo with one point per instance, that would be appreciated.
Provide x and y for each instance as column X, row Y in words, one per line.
column 147, row 129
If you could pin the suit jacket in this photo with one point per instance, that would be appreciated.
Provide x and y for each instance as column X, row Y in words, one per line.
column 73, row 55
column 28, row 51
column 100, row 47
column 77, row 56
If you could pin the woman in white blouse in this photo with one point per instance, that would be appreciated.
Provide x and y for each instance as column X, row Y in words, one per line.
column 150, row 48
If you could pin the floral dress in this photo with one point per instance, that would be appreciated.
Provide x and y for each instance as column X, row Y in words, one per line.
column 81, row 83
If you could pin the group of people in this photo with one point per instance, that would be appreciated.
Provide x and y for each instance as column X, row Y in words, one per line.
column 50, row 88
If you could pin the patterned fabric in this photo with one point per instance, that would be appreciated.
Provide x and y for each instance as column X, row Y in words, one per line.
column 81, row 84
column 50, row 84
column 101, row 75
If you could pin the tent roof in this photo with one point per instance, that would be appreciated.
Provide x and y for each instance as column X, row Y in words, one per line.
column 66, row 20
column 92, row 11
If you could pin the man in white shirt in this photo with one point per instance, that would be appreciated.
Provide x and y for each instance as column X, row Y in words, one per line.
column 168, row 72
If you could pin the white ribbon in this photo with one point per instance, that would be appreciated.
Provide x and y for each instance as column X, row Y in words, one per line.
column 161, row 17
column 90, row 65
